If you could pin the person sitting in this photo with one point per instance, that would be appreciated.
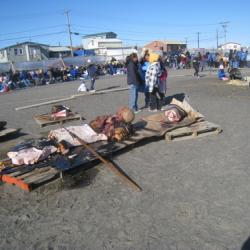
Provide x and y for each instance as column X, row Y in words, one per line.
column 221, row 73
column 235, row 74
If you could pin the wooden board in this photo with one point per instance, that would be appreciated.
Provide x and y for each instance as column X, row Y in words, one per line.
column 193, row 131
column 30, row 178
column 46, row 120
column 8, row 132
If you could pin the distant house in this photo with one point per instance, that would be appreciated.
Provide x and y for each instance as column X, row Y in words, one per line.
column 229, row 46
column 106, row 44
column 59, row 51
column 26, row 51
column 101, row 40
column 164, row 46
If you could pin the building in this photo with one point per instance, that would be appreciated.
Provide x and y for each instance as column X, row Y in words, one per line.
column 165, row 46
column 229, row 46
column 59, row 51
column 107, row 44
column 26, row 51
column 101, row 40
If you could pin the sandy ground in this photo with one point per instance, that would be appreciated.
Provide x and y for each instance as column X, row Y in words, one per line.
column 195, row 192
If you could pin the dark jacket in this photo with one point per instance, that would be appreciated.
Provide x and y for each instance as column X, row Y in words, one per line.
column 133, row 75
column 92, row 70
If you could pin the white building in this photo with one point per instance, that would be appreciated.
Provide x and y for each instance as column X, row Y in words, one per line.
column 101, row 40
column 230, row 45
column 107, row 44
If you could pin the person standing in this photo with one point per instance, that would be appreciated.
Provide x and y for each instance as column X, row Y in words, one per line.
column 162, row 81
column 134, row 80
column 196, row 66
column 152, row 82
column 144, row 64
column 92, row 71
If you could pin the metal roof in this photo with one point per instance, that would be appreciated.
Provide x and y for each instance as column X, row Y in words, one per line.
column 171, row 42
column 59, row 48
column 27, row 42
column 100, row 34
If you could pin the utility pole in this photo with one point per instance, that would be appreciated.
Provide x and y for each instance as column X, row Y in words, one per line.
column 198, row 39
column 224, row 26
column 217, row 39
column 186, row 40
column 69, row 31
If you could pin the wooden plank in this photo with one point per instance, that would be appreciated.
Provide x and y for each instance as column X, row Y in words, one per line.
column 44, row 103
column 33, row 178
column 42, row 176
column 197, row 130
column 46, row 120
column 15, row 181
column 70, row 98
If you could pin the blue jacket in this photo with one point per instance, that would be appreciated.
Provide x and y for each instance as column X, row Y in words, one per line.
column 143, row 69
column 221, row 74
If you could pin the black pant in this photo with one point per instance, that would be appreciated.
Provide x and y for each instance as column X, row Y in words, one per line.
column 92, row 85
column 156, row 99
column 196, row 70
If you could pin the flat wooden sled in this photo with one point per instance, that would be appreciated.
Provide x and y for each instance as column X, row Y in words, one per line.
column 31, row 177
column 46, row 120
column 194, row 131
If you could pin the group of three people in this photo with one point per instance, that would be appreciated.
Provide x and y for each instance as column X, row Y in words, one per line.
column 149, row 77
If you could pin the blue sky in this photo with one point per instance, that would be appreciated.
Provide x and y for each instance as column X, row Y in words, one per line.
column 136, row 22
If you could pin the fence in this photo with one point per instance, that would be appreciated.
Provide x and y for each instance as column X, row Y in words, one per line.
column 53, row 62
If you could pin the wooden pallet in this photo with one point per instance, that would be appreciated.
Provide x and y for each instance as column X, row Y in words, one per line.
column 46, row 120
column 29, row 178
column 33, row 176
column 196, row 130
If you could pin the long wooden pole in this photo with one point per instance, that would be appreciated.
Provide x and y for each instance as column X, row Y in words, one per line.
column 120, row 173
column 98, row 92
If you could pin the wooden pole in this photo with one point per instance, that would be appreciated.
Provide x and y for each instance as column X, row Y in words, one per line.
column 98, row 92
column 121, row 174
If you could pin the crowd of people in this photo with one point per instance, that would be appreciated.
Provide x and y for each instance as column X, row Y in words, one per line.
column 181, row 60
column 12, row 80
column 149, row 77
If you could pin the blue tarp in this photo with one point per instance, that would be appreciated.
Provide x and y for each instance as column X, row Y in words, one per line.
column 82, row 52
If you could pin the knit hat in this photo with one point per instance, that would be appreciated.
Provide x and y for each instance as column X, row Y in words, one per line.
column 153, row 57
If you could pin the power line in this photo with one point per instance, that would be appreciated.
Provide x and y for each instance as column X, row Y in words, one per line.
column 27, row 37
column 29, row 30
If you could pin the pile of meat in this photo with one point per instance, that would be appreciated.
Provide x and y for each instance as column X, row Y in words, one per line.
column 31, row 152
column 116, row 127
column 58, row 111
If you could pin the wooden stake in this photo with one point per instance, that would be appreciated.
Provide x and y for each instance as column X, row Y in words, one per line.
column 114, row 169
